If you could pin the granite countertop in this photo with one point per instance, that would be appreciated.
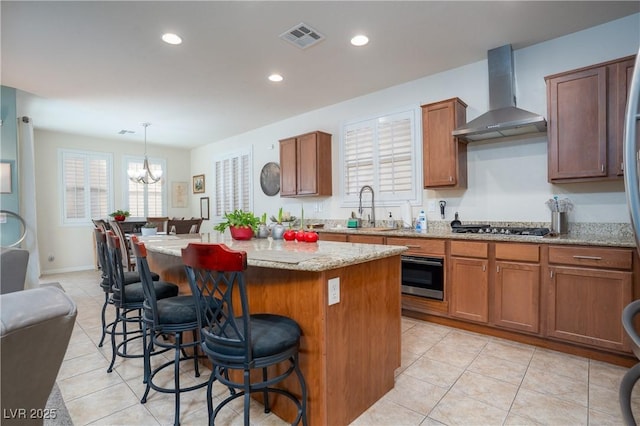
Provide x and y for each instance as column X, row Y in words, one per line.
column 591, row 235
column 280, row 254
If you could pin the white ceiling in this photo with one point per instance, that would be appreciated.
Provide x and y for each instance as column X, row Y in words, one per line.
column 97, row 67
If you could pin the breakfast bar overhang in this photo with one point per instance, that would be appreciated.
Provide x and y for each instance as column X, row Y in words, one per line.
column 350, row 349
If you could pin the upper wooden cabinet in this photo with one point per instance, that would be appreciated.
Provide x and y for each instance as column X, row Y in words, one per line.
column 305, row 165
column 444, row 157
column 585, row 121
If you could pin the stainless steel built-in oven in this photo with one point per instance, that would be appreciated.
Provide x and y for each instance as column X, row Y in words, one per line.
column 423, row 276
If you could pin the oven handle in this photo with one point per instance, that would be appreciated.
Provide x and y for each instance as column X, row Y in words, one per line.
column 423, row 261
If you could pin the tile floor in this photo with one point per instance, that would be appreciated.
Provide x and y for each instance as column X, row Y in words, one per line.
column 448, row 376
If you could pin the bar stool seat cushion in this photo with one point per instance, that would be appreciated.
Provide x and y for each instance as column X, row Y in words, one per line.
column 135, row 294
column 130, row 277
column 270, row 334
column 177, row 310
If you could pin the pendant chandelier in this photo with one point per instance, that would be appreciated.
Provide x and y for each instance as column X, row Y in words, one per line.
column 145, row 175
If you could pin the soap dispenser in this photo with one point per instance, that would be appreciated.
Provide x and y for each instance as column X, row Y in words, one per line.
column 391, row 223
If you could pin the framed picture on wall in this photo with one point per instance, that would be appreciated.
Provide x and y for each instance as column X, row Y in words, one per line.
column 204, row 208
column 198, row 184
column 179, row 194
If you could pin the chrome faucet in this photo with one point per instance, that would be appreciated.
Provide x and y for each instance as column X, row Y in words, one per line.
column 373, row 205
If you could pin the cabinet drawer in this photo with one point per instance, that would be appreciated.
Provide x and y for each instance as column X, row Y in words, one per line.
column 469, row 249
column 522, row 252
column 419, row 245
column 330, row 236
column 366, row 239
column 592, row 256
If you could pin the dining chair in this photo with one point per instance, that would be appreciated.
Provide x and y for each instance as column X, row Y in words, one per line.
column 184, row 226
column 235, row 339
column 162, row 318
column 160, row 221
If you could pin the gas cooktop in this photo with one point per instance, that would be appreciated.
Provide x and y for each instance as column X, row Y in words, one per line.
column 499, row 230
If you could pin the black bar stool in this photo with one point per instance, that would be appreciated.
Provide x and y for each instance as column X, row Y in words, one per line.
column 234, row 339
column 171, row 316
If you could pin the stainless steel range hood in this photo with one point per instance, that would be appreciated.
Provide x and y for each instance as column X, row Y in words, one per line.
column 504, row 119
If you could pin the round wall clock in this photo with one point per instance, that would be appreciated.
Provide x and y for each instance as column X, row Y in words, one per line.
column 270, row 179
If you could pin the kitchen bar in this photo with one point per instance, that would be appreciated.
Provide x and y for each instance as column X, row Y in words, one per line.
column 350, row 349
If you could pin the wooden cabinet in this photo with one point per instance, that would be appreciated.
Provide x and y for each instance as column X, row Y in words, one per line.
column 366, row 239
column 469, row 281
column 444, row 157
column 585, row 116
column 330, row 236
column 587, row 290
column 516, row 287
column 305, row 165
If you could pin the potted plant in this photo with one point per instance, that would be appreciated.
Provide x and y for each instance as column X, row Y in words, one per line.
column 241, row 224
column 263, row 230
column 277, row 231
column 149, row 228
column 119, row 215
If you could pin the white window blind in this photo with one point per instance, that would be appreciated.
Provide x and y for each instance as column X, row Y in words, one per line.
column 88, row 188
column 383, row 152
column 145, row 200
column 233, row 183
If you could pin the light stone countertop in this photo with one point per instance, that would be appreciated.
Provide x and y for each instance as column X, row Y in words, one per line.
column 280, row 254
column 588, row 235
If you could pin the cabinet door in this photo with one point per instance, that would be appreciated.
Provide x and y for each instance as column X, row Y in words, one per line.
column 623, row 80
column 444, row 158
column 585, row 306
column 469, row 289
column 307, row 164
column 288, row 170
column 577, row 133
column 517, row 296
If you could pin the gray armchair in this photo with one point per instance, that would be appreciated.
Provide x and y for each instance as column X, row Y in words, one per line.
column 36, row 326
column 13, row 269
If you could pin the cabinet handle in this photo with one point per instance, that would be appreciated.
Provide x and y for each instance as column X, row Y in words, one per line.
column 587, row 257
column 497, row 269
column 551, row 274
column 484, row 268
column 412, row 246
column 622, row 167
column 602, row 168
column 450, row 178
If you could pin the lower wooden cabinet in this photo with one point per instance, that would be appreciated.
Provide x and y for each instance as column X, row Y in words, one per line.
column 588, row 288
column 517, row 296
column 366, row 239
column 585, row 306
column 469, row 281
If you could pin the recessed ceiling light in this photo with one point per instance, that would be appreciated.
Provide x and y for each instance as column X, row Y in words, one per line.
column 171, row 38
column 276, row 78
column 360, row 40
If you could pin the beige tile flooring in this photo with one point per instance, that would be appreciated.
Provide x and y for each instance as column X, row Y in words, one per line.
column 448, row 376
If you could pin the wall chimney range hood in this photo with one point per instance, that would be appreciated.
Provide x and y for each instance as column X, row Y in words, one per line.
column 503, row 119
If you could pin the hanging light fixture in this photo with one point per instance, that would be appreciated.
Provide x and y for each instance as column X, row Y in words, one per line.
column 145, row 175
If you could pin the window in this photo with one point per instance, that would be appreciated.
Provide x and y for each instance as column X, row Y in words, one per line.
column 144, row 200
column 87, row 186
column 383, row 152
column 233, row 183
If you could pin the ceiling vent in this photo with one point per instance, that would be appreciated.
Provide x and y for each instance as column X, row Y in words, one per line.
column 302, row 35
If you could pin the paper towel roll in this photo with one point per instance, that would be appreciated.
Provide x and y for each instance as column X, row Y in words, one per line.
column 407, row 218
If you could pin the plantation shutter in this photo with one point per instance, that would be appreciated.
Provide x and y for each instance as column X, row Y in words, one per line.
column 381, row 152
column 86, row 179
column 233, row 176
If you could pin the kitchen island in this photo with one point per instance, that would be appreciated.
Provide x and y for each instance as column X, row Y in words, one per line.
column 349, row 349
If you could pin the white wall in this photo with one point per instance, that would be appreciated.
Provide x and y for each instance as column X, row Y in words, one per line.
column 507, row 180
column 72, row 246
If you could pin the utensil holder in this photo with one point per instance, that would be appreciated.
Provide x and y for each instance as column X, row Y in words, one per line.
column 559, row 222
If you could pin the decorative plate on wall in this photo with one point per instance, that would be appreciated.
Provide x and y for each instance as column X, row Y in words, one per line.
column 270, row 178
